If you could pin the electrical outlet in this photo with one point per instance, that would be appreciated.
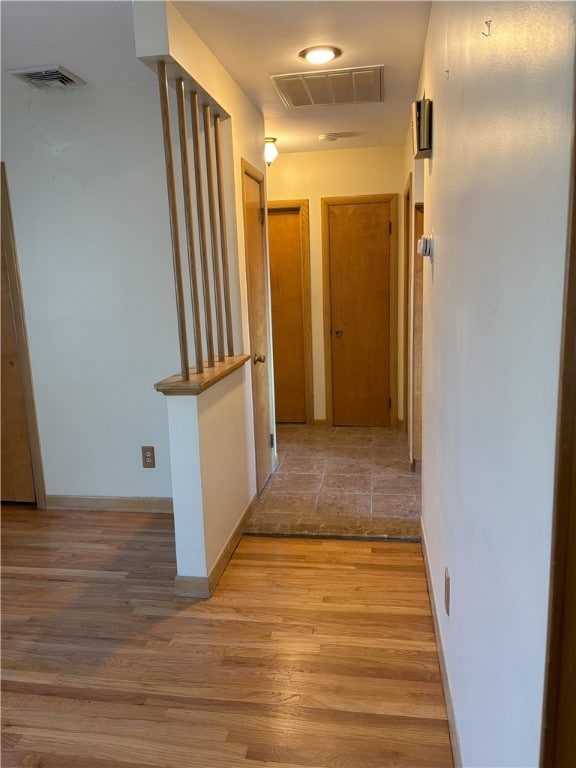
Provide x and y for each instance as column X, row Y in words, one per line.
column 148, row 457
column 447, row 591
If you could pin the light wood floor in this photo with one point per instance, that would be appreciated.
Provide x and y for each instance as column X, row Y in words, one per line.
column 311, row 653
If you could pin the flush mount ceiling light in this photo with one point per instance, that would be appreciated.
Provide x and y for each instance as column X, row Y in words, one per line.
column 270, row 150
column 320, row 54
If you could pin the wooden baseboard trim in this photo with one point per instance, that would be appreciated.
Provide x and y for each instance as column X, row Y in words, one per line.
column 234, row 539
column 454, row 739
column 204, row 586
column 111, row 503
column 321, row 423
column 416, row 466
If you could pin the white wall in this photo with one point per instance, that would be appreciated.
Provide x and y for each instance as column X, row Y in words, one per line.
column 86, row 175
column 86, row 179
column 211, row 478
column 224, row 427
column 244, row 131
column 496, row 194
column 333, row 173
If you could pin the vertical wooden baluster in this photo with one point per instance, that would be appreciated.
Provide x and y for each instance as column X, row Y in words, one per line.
column 195, row 108
column 173, row 211
column 212, row 207
column 185, row 163
column 223, row 236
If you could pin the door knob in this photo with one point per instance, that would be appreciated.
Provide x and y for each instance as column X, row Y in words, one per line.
column 259, row 359
column 338, row 332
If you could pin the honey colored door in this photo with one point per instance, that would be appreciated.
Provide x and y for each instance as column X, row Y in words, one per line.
column 286, row 285
column 360, row 288
column 17, row 478
column 256, row 280
column 417, row 338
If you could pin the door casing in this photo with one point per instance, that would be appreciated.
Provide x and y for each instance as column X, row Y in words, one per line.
column 417, row 278
column 406, row 303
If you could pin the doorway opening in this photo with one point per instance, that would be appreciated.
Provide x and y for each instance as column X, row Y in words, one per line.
column 337, row 479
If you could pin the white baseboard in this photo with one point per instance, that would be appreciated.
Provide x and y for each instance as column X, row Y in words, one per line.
column 454, row 739
column 111, row 503
column 204, row 586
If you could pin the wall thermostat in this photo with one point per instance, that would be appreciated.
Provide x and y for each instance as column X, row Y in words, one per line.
column 425, row 247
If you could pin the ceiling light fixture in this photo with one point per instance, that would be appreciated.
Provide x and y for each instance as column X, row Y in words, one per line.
column 270, row 150
column 320, row 54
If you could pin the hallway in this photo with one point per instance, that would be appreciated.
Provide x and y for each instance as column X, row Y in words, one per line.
column 340, row 481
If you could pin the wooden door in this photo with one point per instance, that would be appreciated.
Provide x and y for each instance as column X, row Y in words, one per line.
column 406, row 277
column 417, row 317
column 558, row 732
column 361, row 310
column 17, row 477
column 257, row 280
column 17, row 474
column 289, row 288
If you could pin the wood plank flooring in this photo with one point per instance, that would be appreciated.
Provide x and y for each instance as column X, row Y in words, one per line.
column 311, row 653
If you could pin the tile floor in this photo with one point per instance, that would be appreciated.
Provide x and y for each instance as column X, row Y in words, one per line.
column 340, row 481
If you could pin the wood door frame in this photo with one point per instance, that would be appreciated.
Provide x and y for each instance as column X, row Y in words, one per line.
column 15, row 289
column 558, row 739
column 247, row 169
column 303, row 208
column 326, row 203
column 406, row 295
column 416, row 345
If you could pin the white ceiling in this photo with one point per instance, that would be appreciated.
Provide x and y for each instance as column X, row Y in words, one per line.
column 95, row 40
column 253, row 40
column 257, row 39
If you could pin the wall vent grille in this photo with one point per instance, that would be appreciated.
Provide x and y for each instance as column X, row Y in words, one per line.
column 360, row 85
column 47, row 77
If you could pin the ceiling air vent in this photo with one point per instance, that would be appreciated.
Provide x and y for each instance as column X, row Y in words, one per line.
column 359, row 85
column 47, row 77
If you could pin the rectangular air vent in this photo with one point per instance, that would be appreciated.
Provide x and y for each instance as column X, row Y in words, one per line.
column 47, row 77
column 359, row 85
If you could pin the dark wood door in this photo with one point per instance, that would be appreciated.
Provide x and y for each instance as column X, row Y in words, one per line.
column 256, row 280
column 286, row 283
column 360, row 284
